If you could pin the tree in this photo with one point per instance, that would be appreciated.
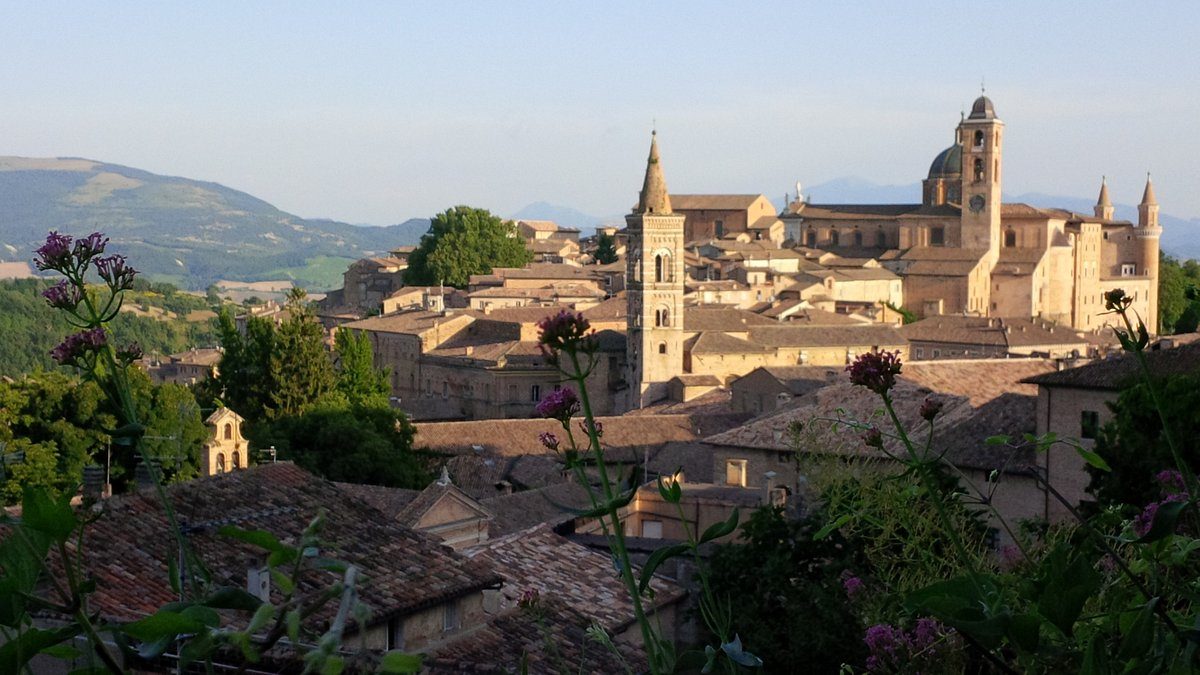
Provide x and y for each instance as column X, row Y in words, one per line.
column 243, row 380
column 463, row 241
column 1175, row 278
column 606, row 250
column 300, row 370
column 358, row 379
column 1134, row 445
column 358, row 444
column 785, row 588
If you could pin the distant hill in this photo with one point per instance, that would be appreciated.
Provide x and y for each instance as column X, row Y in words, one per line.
column 1181, row 236
column 187, row 231
column 563, row 215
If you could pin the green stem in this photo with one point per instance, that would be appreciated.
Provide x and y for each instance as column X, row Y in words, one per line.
column 639, row 612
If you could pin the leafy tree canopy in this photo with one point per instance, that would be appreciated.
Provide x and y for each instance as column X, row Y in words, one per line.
column 357, row 379
column 1178, row 311
column 463, row 241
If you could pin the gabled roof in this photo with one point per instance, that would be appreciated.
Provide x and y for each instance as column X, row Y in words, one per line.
column 712, row 342
column 1117, row 372
column 512, row 437
column 713, row 202
column 721, row 319
column 861, row 335
column 403, row 570
column 222, row 413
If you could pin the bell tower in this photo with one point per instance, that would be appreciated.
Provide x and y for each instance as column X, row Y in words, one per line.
column 980, row 136
column 654, row 284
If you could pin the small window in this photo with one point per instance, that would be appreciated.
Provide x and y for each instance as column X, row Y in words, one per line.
column 858, row 239
column 881, row 239
column 937, row 353
column 834, row 238
column 978, row 138
column 920, row 352
column 228, row 431
column 937, row 236
column 450, row 619
column 1089, row 424
column 978, row 170
column 652, row 529
column 1010, row 238
column 1128, row 269
column 810, row 239
column 719, row 227
column 735, row 472
column 535, row 393
column 220, row 462
column 662, row 348
column 237, row 459
column 395, row 634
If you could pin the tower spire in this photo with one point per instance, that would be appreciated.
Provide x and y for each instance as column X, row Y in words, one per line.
column 654, row 198
column 1104, row 206
column 1148, row 195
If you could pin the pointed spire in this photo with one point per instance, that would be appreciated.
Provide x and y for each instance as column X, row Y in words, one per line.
column 654, row 198
column 1148, row 195
column 1104, row 200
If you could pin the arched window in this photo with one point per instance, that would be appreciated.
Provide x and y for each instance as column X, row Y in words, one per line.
column 237, row 459
column 858, row 238
column 228, row 431
column 662, row 348
column 834, row 238
column 979, row 138
column 220, row 462
column 662, row 318
column 658, row 268
column 1010, row 238
column 810, row 239
column 881, row 239
column 978, row 170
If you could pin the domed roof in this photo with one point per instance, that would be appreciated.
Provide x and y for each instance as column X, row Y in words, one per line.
column 948, row 163
column 982, row 109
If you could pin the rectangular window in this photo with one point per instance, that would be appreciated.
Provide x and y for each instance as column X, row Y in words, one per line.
column 1128, row 269
column 535, row 393
column 920, row 352
column 395, row 634
column 652, row 529
column 1089, row 424
column 450, row 620
column 937, row 353
column 735, row 472
column 937, row 236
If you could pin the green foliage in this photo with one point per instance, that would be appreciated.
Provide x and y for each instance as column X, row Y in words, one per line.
column 244, row 380
column 31, row 329
column 300, row 370
column 357, row 378
column 906, row 315
column 1174, row 305
column 1133, row 443
column 606, row 250
column 463, row 241
column 357, row 444
column 784, row 588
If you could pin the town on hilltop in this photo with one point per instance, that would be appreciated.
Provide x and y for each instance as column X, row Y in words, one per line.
column 722, row 337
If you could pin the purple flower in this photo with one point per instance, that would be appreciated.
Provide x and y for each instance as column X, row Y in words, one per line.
column 930, row 408
column 73, row 349
column 853, row 586
column 129, row 353
column 63, row 295
column 559, row 405
column 1145, row 519
column 549, row 440
column 876, row 371
column 565, row 332
column 1171, row 481
column 529, row 598
column 599, row 428
column 927, row 632
column 884, row 639
column 1116, row 300
column 113, row 270
column 873, row 438
column 55, row 254
column 90, row 246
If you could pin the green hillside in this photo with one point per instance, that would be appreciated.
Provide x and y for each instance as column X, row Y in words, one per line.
column 185, row 230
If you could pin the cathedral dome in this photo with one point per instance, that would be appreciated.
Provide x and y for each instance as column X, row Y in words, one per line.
column 948, row 163
column 982, row 109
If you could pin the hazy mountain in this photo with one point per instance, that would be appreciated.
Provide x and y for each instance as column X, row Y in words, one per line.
column 1181, row 236
column 563, row 215
column 189, row 231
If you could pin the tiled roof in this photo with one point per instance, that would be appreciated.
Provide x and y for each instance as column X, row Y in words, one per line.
column 130, row 543
column 690, row 380
column 553, row 505
column 538, row 559
column 711, row 342
column 791, row 335
column 549, row 639
column 979, row 380
column 873, row 211
column 712, row 202
column 480, row 475
column 993, row 332
column 721, row 319
column 520, row 436
column 539, row 225
column 199, row 357
column 412, row 321
column 387, row 500
column 1119, row 371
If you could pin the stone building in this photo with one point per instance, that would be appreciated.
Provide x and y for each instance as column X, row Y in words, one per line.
column 961, row 250
column 727, row 216
column 226, row 449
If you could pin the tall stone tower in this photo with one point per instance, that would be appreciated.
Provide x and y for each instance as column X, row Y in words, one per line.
column 980, row 136
column 654, row 283
column 1148, row 233
column 1104, row 206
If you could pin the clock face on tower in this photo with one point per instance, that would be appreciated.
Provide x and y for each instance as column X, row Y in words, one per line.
column 977, row 203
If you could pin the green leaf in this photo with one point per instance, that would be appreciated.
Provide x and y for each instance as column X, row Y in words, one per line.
column 604, row 509
column 62, row 652
column 997, row 440
column 259, row 538
column 718, row 530
column 17, row 652
column 156, row 648
column 51, row 517
column 1138, row 638
column 163, row 623
column 204, row 615
column 1024, row 630
column 173, row 573
column 657, row 558
column 399, row 662
column 1067, row 583
column 232, row 597
column 671, row 493
column 262, row 615
column 293, row 625
column 282, row 580
column 1092, row 458
column 1165, row 520
column 1095, row 659
column 832, row 526
column 333, row 665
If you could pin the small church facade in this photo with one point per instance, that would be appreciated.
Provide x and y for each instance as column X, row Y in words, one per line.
column 226, row 449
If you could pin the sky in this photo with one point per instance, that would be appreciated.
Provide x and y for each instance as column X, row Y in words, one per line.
column 376, row 112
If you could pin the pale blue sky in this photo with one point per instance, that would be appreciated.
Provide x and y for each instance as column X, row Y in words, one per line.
column 376, row 112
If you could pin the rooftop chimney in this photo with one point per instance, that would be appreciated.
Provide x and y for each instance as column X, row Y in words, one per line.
column 144, row 477
column 94, row 488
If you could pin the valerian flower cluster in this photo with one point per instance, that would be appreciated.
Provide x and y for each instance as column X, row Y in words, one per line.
column 75, row 259
column 894, row 649
column 565, row 333
column 876, row 371
column 561, row 404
